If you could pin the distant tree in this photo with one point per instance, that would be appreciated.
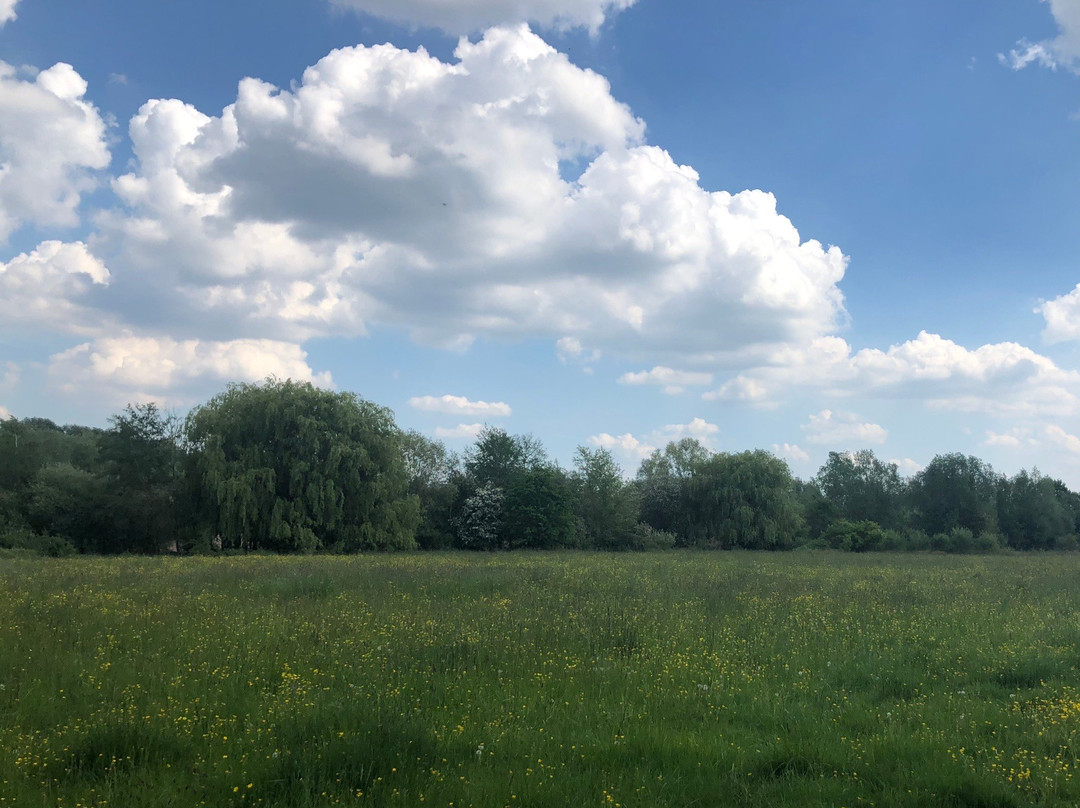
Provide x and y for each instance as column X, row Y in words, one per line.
column 606, row 505
column 539, row 510
column 746, row 500
column 664, row 480
column 1036, row 512
column 29, row 447
column 502, row 468
column 480, row 523
column 72, row 504
column 817, row 511
column 955, row 491
column 862, row 488
column 433, row 478
column 141, row 462
column 286, row 466
column 499, row 458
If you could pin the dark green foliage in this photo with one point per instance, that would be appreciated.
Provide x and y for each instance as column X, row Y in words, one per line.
column 955, row 491
column 539, row 510
column 141, row 461
column 285, row 466
column 860, row 487
column 664, row 481
column 433, row 479
column 1036, row 512
column 73, row 504
column 743, row 500
column 607, row 506
column 856, row 537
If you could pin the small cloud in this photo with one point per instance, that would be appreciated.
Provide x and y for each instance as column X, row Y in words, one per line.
column 118, row 78
column 459, row 432
column 841, row 428
column 698, row 428
column 1012, row 439
column 629, row 447
column 907, row 466
column 670, row 380
column 741, row 388
column 790, row 451
column 5, row 414
column 9, row 375
column 459, row 405
column 1064, row 439
column 626, row 445
column 570, row 349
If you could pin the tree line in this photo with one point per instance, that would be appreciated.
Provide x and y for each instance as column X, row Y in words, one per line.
column 282, row 466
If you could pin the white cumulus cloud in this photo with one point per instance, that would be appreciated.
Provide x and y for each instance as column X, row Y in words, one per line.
column 151, row 367
column 7, row 11
column 1001, row 378
column 792, row 452
column 842, row 429
column 391, row 188
column 51, row 288
column 459, row 405
column 632, row 449
column 459, row 432
column 1066, row 440
column 465, row 16
column 5, row 414
column 626, row 446
column 51, row 142
column 907, row 466
column 1062, row 315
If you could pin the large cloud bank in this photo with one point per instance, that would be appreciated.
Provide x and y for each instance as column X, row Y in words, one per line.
column 389, row 188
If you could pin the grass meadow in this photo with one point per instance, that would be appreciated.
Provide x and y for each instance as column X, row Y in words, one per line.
column 678, row 679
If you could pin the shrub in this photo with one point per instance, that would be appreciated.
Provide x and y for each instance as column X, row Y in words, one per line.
column 646, row 537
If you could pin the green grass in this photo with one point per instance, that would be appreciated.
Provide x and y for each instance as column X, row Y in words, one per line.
column 679, row 679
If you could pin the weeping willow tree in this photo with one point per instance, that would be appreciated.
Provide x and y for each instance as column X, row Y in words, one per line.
column 285, row 466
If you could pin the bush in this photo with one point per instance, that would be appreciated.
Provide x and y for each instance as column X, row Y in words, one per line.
column 56, row 547
column 46, row 545
column 960, row 540
column 856, row 537
column 1068, row 542
column 646, row 537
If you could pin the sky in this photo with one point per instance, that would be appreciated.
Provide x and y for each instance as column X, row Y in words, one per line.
column 796, row 227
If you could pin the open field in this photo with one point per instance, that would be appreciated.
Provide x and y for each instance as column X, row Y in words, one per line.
column 547, row 680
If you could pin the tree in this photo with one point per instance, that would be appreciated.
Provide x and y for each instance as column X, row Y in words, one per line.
column 605, row 504
column 747, row 499
column 141, row 461
column 862, row 488
column 286, row 466
column 499, row 458
column 955, row 491
column 663, row 481
column 433, row 478
column 539, row 510
column 1036, row 512
column 72, row 503
column 480, row 525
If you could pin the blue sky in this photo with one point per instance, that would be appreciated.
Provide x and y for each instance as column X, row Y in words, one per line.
column 799, row 227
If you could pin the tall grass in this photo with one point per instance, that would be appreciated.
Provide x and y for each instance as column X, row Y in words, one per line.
column 540, row 680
